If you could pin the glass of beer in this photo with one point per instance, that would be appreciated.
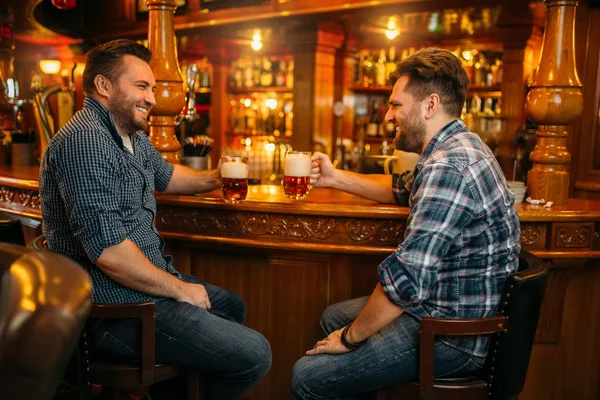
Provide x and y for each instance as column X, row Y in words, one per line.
column 234, row 178
column 296, row 177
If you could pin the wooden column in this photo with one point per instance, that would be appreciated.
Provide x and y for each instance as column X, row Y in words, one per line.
column 314, row 67
column 345, row 65
column 555, row 101
column 521, row 42
column 219, row 54
column 170, row 92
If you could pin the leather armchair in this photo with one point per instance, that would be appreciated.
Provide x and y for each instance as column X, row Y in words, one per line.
column 44, row 299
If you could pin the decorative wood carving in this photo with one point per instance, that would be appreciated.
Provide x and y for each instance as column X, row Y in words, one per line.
column 170, row 93
column 281, row 226
column 20, row 198
column 569, row 235
column 555, row 101
column 533, row 236
column 596, row 244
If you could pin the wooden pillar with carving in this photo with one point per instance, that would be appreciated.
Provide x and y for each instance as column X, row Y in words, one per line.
column 554, row 101
column 314, row 67
column 170, row 92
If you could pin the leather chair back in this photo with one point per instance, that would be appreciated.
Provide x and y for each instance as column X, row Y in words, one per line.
column 44, row 300
column 509, row 352
column 11, row 231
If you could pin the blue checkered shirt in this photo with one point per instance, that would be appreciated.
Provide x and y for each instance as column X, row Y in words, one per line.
column 462, row 238
column 94, row 194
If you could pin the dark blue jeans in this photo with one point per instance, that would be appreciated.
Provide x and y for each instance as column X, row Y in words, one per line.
column 231, row 356
column 389, row 356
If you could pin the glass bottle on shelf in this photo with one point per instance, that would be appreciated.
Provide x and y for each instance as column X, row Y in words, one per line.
column 390, row 66
column 380, row 69
column 373, row 125
column 256, row 73
column 289, row 77
column 266, row 76
column 280, row 72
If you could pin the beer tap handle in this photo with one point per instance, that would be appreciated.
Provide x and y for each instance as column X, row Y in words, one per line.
column 192, row 72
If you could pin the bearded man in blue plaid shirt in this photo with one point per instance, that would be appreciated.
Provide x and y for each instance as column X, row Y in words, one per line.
column 461, row 242
column 97, row 182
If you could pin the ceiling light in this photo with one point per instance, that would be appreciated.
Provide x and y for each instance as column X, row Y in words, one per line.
column 50, row 66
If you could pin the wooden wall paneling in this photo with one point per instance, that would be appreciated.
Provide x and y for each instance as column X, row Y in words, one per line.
column 219, row 56
column 587, row 184
column 313, row 48
column 298, row 302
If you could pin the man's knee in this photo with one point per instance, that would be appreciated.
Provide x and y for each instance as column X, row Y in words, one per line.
column 258, row 356
column 301, row 375
column 328, row 318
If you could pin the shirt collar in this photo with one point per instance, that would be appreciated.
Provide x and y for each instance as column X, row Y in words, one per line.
column 106, row 118
column 448, row 131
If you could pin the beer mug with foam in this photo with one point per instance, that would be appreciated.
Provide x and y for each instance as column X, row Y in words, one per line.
column 296, row 176
column 234, row 178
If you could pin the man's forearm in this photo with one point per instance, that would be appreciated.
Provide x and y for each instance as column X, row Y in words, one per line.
column 377, row 314
column 373, row 187
column 126, row 264
column 186, row 180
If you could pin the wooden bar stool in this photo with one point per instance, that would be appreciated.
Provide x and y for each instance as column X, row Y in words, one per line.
column 135, row 377
column 513, row 333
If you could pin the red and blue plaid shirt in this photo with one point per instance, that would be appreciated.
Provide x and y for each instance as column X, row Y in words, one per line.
column 462, row 238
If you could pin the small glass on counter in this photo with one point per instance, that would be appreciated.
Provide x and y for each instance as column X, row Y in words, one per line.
column 234, row 178
column 296, row 177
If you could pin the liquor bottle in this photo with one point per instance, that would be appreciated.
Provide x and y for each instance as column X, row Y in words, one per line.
column 373, row 125
column 266, row 76
column 380, row 75
column 390, row 66
column 289, row 77
column 256, row 72
column 280, row 72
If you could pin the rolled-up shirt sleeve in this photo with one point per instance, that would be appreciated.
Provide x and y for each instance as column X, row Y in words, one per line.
column 442, row 205
column 163, row 170
column 89, row 183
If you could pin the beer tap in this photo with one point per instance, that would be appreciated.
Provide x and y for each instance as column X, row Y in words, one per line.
column 42, row 111
column 192, row 72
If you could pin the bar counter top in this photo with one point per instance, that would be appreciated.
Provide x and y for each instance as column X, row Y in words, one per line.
column 327, row 219
column 331, row 202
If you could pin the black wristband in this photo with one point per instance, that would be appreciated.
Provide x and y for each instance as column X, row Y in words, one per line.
column 346, row 343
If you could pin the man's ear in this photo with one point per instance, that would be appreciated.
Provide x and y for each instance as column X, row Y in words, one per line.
column 103, row 85
column 432, row 104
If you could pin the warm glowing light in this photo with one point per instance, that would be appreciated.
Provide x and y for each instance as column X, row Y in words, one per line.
column 80, row 68
column 50, row 66
column 256, row 43
column 256, row 46
column 392, row 30
column 271, row 103
column 467, row 55
column 247, row 102
column 270, row 146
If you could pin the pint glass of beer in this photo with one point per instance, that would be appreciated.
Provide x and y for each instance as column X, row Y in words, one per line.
column 296, row 177
column 234, row 178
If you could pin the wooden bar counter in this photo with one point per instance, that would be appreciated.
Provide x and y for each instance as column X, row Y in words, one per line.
column 290, row 259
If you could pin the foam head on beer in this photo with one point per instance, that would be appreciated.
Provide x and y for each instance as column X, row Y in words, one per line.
column 297, row 164
column 234, row 169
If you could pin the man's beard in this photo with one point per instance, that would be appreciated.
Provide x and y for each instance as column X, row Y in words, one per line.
column 123, row 113
column 411, row 134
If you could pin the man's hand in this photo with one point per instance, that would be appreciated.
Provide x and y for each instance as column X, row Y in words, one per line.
column 322, row 173
column 194, row 294
column 332, row 344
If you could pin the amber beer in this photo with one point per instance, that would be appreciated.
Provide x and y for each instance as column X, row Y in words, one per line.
column 234, row 178
column 296, row 179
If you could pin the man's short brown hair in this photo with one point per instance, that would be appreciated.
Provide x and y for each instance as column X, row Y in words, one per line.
column 106, row 58
column 433, row 70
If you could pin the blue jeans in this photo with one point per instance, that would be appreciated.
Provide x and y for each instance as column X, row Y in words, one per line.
column 232, row 357
column 389, row 356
